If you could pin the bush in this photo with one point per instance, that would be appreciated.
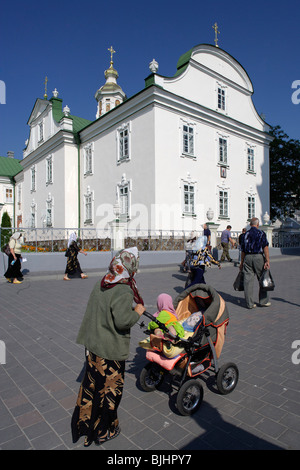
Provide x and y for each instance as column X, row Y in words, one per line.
column 6, row 231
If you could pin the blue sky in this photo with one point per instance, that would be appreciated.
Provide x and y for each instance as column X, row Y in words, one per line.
column 67, row 41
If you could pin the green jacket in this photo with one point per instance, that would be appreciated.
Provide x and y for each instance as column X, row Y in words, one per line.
column 105, row 329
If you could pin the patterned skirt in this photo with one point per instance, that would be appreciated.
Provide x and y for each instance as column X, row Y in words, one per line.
column 100, row 393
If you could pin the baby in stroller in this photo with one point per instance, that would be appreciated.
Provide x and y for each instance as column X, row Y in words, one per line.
column 166, row 314
column 203, row 315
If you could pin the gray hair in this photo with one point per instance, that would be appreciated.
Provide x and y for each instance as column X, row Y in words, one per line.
column 254, row 221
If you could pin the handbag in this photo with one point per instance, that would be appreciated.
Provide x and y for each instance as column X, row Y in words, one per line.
column 266, row 280
column 239, row 282
column 6, row 249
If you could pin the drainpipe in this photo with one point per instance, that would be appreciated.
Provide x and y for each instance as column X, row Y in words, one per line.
column 77, row 140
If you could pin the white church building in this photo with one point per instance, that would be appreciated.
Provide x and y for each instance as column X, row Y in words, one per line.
column 182, row 151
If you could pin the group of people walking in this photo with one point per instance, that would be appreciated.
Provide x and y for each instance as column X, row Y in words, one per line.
column 73, row 269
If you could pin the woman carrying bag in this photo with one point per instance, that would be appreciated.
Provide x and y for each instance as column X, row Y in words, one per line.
column 13, row 273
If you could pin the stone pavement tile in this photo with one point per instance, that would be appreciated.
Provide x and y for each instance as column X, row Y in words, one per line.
column 29, row 418
column 47, row 441
column 18, row 443
column 291, row 421
column 270, row 427
column 9, row 432
column 37, row 430
column 291, row 439
column 146, row 439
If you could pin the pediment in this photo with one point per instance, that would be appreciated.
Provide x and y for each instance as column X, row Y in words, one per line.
column 39, row 108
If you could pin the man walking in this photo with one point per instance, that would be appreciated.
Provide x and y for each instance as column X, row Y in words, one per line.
column 254, row 259
column 225, row 239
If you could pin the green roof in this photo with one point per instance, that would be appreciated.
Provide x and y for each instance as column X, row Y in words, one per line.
column 9, row 167
column 78, row 123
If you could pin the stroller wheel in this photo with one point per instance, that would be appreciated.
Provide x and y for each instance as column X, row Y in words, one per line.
column 189, row 397
column 151, row 377
column 227, row 378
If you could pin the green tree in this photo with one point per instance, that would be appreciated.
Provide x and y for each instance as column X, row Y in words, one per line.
column 6, row 231
column 284, row 174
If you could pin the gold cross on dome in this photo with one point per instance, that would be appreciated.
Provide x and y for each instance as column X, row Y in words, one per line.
column 215, row 27
column 112, row 51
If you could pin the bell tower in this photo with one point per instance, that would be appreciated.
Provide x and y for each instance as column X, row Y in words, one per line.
column 110, row 94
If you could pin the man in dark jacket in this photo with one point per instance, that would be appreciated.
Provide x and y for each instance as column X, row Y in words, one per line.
column 254, row 259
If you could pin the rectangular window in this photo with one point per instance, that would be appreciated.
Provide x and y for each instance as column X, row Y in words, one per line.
column 49, row 170
column 250, row 159
column 189, row 198
column 41, row 132
column 123, row 144
column 188, row 140
column 223, row 203
column 33, row 178
column 251, row 207
column 9, row 195
column 124, row 201
column 222, row 151
column 221, row 98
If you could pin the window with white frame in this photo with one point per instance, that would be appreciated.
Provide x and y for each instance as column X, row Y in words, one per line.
column 188, row 139
column 41, row 131
column 49, row 170
column 188, row 198
column 88, row 206
column 89, row 159
column 8, row 195
column 49, row 211
column 123, row 138
column 221, row 98
column 222, row 151
column 33, row 214
column 251, row 207
column 250, row 159
column 223, row 203
column 33, row 178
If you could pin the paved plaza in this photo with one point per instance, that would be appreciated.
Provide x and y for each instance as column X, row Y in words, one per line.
column 39, row 321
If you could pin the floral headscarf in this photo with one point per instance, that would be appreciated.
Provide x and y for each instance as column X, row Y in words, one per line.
column 122, row 269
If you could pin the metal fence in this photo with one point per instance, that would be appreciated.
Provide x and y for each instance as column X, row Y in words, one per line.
column 93, row 239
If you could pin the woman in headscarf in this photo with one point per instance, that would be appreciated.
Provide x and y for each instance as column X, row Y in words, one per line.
column 105, row 333
column 73, row 268
column 13, row 273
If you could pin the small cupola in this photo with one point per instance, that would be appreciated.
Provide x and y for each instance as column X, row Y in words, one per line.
column 110, row 94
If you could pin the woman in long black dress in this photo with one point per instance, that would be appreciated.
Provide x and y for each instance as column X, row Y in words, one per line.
column 13, row 273
column 73, row 268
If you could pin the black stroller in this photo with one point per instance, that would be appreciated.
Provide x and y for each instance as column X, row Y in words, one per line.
column 187, row 358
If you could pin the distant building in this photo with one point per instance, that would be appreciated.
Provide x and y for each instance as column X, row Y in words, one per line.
column 183, row 150
column 10, row 197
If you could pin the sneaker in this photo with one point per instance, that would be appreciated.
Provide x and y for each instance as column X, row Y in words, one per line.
column 17, row 282
column 266, row 305
column 253, row 306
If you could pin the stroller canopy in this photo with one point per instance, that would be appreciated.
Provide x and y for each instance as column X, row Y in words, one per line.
column 205, row 298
